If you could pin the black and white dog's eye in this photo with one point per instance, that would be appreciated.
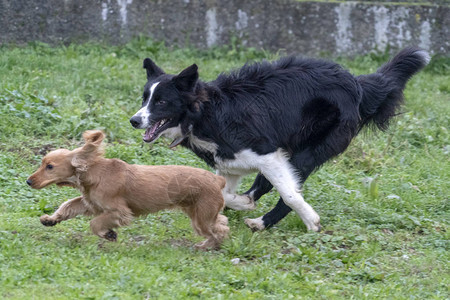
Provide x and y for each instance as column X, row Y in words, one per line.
column 161, row 102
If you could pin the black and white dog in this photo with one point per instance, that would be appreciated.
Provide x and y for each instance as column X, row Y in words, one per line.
column 283, row 119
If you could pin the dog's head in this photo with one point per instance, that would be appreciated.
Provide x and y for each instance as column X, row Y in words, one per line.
column 168, row 100
column 59, row 166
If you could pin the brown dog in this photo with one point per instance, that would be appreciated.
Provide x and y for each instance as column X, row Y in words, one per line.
column 114, row 191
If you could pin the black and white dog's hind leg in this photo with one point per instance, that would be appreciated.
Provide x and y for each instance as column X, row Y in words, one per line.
column 271, row 218
column 304, row 163
column 233, row 200
column 260, row 187
column 246, row 201
column 277, row 169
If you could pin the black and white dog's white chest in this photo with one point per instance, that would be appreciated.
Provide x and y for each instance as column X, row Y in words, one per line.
column 243, row 162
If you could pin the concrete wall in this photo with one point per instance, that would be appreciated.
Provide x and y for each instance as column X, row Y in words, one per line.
column 308, row 27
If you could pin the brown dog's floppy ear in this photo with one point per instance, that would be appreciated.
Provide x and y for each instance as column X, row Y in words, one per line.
column 92, row 149
column 94, row 137
column 93, row 141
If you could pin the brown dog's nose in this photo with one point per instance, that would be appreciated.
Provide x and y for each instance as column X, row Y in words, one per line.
column 29, row 182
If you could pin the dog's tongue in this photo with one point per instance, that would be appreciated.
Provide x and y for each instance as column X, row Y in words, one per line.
column 150, row 132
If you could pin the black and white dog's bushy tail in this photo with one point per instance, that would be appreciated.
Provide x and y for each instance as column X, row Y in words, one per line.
column 382, row 92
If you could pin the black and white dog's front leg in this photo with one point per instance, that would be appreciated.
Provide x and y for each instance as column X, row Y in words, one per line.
column 233, row 200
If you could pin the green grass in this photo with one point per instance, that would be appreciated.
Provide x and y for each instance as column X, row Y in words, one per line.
column 384, row 204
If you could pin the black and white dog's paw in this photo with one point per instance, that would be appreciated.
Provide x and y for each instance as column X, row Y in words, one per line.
column 239, row 202
column 255, row 224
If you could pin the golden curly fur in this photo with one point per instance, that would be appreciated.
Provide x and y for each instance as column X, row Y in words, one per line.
column 114, row 192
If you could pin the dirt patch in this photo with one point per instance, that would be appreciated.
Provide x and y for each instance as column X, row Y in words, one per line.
column 42, row 150
column 176, row 243
column 288, row 250
column 77, row 238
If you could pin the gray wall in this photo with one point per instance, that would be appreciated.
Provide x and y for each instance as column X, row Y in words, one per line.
column 339, row 28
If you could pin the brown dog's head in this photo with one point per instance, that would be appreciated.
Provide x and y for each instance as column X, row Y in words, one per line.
column 59, row 166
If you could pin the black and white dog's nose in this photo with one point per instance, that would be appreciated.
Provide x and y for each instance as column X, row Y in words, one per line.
column 135, row 121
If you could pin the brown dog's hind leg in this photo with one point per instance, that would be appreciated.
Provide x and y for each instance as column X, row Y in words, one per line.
column 207, row 221
column 68, row 210
column 103, row 224
column 221, row 228
column 216, row 236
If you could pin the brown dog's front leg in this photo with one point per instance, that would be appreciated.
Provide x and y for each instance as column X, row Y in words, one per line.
column 68, row 210
column 103, row 224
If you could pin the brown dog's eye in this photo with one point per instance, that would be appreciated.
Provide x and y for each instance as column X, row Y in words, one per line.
column 49, row 167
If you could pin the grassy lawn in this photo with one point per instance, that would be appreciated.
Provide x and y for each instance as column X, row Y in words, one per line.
column 384, row 204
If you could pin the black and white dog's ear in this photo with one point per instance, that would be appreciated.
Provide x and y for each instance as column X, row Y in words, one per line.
column 186, row 80
column 152, row 69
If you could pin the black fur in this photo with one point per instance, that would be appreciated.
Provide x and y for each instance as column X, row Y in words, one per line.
column 310, row 108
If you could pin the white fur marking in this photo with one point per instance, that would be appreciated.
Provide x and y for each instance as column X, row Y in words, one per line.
column 239, row 202
column 152, row 90
column 277, row 169
column 144, row 112
column 424, row 55
column 279, row 172
column 202, row 144
column 172, row 132
column 232, row 200
column 245, row 162
column 255, row 224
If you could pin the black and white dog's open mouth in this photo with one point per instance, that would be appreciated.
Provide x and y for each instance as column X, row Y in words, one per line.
column 152, row 132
